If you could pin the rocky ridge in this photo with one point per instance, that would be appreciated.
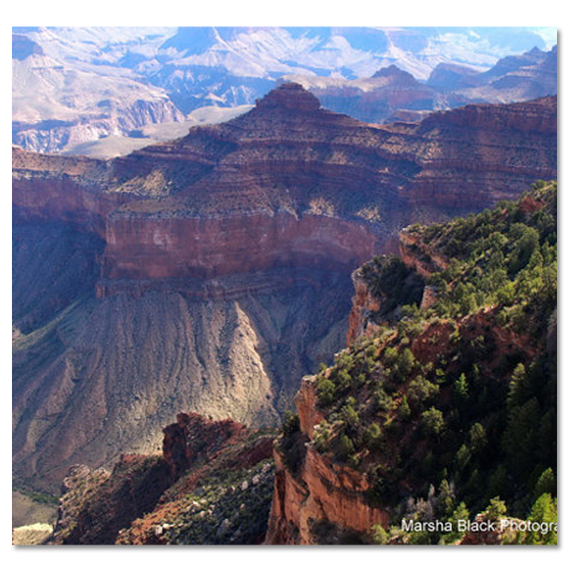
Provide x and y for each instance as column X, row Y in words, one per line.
column 289, row 168
column 316, row 501
column 393, row 94
column 337, row 482
column 170, row 498
column 95, row 89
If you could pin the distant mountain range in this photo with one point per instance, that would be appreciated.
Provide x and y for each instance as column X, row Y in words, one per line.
column 392, row 94
column 73, row 86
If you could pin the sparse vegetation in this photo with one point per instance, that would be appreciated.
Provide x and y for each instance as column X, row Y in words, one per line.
column 231, row 507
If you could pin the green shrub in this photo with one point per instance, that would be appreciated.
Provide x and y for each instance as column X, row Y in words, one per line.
column 373, row 436
column 421, row 391
column 404, row 411
column 379, row 535
column 432, row 421
column 343, row 448
column 291, row 423
column 495, row 510
column 326, row 392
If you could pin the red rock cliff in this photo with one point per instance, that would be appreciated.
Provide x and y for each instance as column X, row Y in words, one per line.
column 206, row 247
column 142, row 491
column 364, row 303
column 194, row 438
column 319, row 492
column 287, row 184
column 319, row 501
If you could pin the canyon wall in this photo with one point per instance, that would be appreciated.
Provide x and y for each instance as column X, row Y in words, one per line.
column 52, row 188
column 483, row 147
column 105, row 375
column 214, row 478
column 287, row 184
column 319, row 501
column 147, row 248
column 213, row 271
column 359, row 452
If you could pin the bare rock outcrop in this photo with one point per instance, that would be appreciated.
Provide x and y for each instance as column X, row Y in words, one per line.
column 143, row 497
column 364, row 305
column 319, row 493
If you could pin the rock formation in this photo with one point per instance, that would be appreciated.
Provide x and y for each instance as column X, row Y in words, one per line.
column 318, row 501
column 212, row 271
column 149, row 499
column 212, row 483
column 291, row 170
column 59, row 103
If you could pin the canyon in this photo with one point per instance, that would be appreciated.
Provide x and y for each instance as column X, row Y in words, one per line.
column 210, row 273
column 393, row 94
column 59, row 104
column 106, row 91
column 215, row 482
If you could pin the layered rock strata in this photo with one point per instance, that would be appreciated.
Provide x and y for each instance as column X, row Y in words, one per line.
column 94, row 378
column 214, row 269
column 288, row 183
